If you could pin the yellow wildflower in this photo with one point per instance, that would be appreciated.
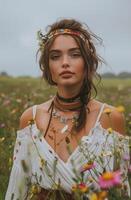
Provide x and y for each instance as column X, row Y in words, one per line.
column 120, row 109
column 2, row 139
column 107, row 111
column 94, row 197
column 102, row 195
column 35, row 189
column 99, row 196
column 30, row 122
column 107, row 175
column 42, row 162
column 74, row 187
column 13, row 111
column 81, row 187
column 110, row 130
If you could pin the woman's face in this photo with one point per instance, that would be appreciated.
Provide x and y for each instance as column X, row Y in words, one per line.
column 66, row 62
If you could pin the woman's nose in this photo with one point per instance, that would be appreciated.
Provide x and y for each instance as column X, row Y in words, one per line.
column 65, row 61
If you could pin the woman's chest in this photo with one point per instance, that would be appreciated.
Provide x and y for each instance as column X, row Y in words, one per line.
column 60, row 134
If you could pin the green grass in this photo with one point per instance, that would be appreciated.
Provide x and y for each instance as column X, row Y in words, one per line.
column 116, row 82
column 16, row 94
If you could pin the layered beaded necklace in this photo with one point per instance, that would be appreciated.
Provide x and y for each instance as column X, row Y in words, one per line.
column 61, row 104
column 64, row 120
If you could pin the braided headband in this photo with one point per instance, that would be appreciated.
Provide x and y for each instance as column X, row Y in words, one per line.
column 66, row 31
column 45, row 38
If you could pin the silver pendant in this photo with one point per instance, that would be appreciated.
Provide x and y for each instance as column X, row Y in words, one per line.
column 64, row 129
column 63, row 120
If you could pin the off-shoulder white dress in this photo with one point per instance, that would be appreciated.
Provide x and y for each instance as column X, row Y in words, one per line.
column 32, row 150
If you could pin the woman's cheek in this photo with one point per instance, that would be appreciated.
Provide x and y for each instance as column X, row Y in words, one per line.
column 54, row 75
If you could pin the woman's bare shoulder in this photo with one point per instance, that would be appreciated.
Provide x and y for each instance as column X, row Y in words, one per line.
column 44, row 106
column 114, row 118
column 27, row 115
column 111, row 117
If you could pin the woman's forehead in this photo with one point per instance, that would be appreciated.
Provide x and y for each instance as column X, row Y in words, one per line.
column 64, row 42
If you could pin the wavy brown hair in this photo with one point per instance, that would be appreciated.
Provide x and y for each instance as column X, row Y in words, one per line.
column 89, row 55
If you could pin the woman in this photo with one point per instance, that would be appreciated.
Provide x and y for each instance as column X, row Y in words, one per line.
column 50, row 152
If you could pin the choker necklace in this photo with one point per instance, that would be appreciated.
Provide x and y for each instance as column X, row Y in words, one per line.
column 68, row 100
column 71, row 104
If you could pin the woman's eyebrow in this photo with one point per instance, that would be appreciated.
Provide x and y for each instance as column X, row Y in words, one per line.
column 54, row 51
column 70, row 50
column 74, row 49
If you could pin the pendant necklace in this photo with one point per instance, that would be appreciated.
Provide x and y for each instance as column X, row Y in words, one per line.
column 65, row 131
column 64, row 120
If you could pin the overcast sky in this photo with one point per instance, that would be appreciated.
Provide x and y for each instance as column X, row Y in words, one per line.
column 21, row 19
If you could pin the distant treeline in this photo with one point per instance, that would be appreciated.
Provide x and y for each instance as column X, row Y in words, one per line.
column 120, row 75
column 104, row 75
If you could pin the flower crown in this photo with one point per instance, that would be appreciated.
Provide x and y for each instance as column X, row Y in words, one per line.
column 43, row 39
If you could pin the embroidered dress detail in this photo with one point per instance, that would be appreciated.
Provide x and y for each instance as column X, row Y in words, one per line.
column 39, row 157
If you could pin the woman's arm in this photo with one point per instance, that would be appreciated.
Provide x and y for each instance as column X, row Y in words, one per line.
column 21, row 170
column 26, row 117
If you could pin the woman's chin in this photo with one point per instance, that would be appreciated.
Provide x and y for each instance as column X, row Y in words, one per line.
column 67, row 84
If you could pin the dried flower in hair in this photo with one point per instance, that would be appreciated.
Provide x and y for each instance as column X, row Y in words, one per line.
column 42, row 39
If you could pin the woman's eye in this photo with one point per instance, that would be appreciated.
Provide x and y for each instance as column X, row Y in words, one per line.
column 54, row 57
column 76, row 55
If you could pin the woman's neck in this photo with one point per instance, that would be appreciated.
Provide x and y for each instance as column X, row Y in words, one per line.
column 67, row 93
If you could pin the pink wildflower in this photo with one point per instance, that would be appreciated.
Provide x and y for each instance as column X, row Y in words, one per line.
column 126, row 157
column 2, row 125
column 87, row 166
column 6, row 102
column 110, row 179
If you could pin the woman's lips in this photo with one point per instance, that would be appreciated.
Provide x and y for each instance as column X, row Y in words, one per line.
column 66, row 73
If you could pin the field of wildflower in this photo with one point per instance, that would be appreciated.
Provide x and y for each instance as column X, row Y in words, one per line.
column 17, row 94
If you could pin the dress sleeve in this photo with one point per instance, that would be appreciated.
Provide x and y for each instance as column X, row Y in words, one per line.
column 21, row 170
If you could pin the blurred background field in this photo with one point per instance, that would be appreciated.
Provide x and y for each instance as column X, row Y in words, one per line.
column 17, row 94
